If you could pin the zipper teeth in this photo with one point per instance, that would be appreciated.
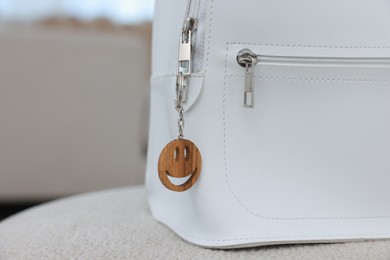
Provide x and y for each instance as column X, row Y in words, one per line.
column 193, row 8
column 197, row 10
column 324, row 61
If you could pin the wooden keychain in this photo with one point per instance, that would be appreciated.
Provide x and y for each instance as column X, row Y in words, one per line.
column 180, row 158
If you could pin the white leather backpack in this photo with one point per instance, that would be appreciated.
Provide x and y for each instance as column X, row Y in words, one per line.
column 287, row 106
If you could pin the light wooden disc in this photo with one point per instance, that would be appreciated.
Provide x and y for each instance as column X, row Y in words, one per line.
column 180, row 158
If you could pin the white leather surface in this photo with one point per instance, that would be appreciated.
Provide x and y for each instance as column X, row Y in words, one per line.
column 309, row 162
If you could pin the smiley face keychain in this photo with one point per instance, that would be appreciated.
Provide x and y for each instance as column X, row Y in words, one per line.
column 180, row 158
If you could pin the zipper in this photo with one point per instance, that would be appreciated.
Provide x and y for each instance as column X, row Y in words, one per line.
column 248, row 59
column 197, row 9
column 190, row 49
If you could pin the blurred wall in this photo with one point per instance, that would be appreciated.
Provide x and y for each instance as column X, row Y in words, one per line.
column 73, row 109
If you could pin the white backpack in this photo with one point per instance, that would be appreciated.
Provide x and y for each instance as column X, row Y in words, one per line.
column 288, row 103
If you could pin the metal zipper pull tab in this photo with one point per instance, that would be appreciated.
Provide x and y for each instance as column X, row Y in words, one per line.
column 247, row 59
column 185, row 46
column 185, row 57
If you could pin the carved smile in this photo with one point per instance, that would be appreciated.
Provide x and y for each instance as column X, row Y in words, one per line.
column 180, row 181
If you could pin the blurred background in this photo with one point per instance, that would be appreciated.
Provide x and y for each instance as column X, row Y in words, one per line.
column 74, row 79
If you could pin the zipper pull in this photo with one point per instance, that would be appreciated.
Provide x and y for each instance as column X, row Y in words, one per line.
column 185, row 58
column 247, row 59
column 185, row 46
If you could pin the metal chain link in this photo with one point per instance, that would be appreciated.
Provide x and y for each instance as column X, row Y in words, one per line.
column 180, row 123
column 178, row 104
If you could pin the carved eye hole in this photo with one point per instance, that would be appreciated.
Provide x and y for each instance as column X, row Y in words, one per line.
column 176, row 153
column 186, row 153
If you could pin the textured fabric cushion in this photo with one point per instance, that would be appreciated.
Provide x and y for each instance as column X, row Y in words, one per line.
column 117, row 224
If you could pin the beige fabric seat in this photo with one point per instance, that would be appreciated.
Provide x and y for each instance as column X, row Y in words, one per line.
column 117, row 224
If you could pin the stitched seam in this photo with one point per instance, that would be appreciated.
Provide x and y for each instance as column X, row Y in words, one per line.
column 226, row 165
column 209, row 36
column 308, row 46
column 224, row 121
column 279, row 237
column 353, row 236
column 344, row 80
column 303, row 236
